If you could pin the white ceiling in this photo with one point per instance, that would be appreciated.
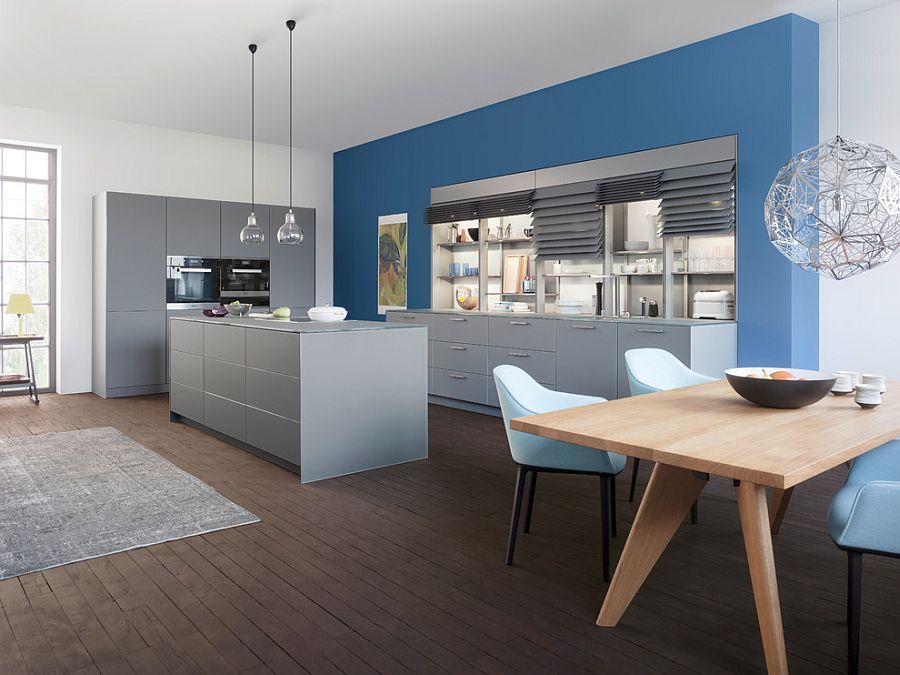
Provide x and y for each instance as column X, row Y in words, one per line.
column 363, row 68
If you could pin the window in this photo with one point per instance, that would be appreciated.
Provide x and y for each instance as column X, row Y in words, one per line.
column 27, row 227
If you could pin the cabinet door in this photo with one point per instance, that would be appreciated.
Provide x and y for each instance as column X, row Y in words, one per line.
column 673, row 339
column 234, row 218
column 135, row 252
column 193, row 227
column 586, row 357
column 135, row 349
column 293, row 268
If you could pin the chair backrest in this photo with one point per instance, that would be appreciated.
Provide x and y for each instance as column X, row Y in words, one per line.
column 651, row 370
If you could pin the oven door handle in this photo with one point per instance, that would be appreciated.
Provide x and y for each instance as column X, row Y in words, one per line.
column 193, row 269
column 246, row 271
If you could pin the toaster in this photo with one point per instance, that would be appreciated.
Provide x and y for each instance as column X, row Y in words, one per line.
column 713, row 305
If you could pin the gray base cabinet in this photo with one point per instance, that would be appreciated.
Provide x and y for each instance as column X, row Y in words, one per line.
column 586, row 358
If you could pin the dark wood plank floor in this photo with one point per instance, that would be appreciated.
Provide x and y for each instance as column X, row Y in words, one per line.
column 401, row 570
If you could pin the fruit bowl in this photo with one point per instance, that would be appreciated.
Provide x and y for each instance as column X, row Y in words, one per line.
column 780, row 387
column 326, row 314
column 240, row 309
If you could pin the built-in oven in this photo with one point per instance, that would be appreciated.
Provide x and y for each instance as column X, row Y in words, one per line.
column 245, row 280
column 192, row 283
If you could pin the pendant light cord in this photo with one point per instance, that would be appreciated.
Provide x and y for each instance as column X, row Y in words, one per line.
column 291, row 120
column 838, row 66
column 253, row 130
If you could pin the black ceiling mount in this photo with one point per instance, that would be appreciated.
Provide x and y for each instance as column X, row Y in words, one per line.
column 252, row 48
column 290, row 24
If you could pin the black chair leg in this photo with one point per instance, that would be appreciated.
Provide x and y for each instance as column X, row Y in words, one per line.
column 854, row 589
column 517, row 507
column 612, row 507
column 529, row 507
column 634, row 473
column 604, row 498
column 695, row 513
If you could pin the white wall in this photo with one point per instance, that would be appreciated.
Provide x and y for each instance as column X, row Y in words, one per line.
column 859, row 318
column 99, row 155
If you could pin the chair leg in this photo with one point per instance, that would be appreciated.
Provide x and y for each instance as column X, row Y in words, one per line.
column 854, row 589
column 604, row 498
column 529, row 507
column 695, row 513
column 634, row 473
column 612, row 507
column 517, row 507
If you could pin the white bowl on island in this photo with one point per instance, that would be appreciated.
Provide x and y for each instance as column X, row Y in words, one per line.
column 326, row 313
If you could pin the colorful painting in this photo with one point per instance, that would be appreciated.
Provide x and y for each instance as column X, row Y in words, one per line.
column 392, row 231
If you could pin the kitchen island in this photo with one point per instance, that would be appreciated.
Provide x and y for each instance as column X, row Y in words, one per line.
column 324, row 399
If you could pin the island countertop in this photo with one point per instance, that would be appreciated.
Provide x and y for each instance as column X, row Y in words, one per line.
column 294, row 325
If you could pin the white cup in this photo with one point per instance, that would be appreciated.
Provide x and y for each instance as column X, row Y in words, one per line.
column 843, row 384
column 655, row 265
column 868, row 395
column 876, row 380
column 854, row 376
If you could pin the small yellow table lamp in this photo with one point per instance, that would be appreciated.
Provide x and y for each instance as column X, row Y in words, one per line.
column 19, row 304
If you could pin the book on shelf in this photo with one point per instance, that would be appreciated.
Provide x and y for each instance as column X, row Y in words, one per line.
column 515, row 268
column 510, row 306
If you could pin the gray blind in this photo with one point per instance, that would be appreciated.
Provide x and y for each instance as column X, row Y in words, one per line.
column 635, row 188
column 510, row 204
column 568, row 221
column 697, row 199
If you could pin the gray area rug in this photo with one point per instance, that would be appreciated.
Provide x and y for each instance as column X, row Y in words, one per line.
column 75, row 495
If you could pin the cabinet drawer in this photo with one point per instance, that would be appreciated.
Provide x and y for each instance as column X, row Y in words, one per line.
column 186, row 401
column 540, row 365
column 186, row 336
column 673, row 339
column 225, row 343
column 523, row 332
column 224, row 379
column 399, row 316
column 462, row 386
column 456, row 356
column 273, row 350
column 494, row 399
column 274, row 393
column 586, row 357
column 455, row 328
column 224, row 416
column 187, row 369
column 276, row 435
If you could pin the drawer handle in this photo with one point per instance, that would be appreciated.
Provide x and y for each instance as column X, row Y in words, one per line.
column 459, row 319
column 458, row 377
column 519, row 354
column 518, row 323
column 580, row 327
column 459, row 349
column 651, row 330
column 409, row 316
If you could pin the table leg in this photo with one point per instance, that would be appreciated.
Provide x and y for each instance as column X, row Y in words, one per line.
column 32, row 378
column 754, row 512
column 667, row 499
column 780, row 501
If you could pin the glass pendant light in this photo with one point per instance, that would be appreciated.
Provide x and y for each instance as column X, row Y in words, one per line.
column 252, row 233
column 290, row 232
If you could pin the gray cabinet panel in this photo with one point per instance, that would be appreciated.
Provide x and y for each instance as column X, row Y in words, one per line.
column 224, row 416
column 135, row 252
column 274, row 393
column 586, row 358
column 234, row 218
column 674, row 339
column 135, row 349
column 187, row 369
column 293, row 268
column 192, row 227
column 186, row 336
column 274, row 350
column 224, row 379
column 523, row 332
column 402, row 316
column 462, row 386
column 454, row 328
column 186, row 401
column 225, row 343
column 456, row 356
column 169, row 314
column 540, row 365
column 275, row 435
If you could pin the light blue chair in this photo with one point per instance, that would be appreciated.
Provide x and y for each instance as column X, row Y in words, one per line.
column 864, row 517
column 521, row 396
column 651, row 370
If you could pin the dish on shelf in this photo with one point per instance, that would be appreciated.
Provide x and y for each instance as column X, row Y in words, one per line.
column 636, row 245
column 780, row 387
column 570, row 306
column 466, row 298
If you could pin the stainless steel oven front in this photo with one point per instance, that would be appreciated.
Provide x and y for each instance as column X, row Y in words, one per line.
column 192, row 282
column 245, row 280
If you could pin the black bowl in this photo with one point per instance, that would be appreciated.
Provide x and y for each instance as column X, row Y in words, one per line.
column 768, row 393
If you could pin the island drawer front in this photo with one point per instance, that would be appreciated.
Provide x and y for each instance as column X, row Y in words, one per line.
column 224, row 379
column 186, row 369
column 462, row 386
column 674, row 339
column 273, row 392
column 276, row 351
column 273, row 434
column 455, row 328
column 457, row 356
column 540, row 365
column 186, row 336
column 186, row 401
column 494, row 399
column 519, row 331
column 224, row 416
column 226, row 343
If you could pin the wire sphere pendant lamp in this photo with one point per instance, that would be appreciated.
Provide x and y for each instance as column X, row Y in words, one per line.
column 834, row 208
column 290, row 232
column 252, row 233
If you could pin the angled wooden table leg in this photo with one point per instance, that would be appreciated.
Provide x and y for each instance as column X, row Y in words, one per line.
column 780, row 501
column 754, row 511
column 667, row 499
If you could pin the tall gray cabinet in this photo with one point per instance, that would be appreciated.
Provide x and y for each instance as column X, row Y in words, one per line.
column 293, row 268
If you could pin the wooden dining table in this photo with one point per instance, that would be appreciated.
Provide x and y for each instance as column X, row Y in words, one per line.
column 708, row 430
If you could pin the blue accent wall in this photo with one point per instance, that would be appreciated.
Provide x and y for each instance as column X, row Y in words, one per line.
column 759, row 82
